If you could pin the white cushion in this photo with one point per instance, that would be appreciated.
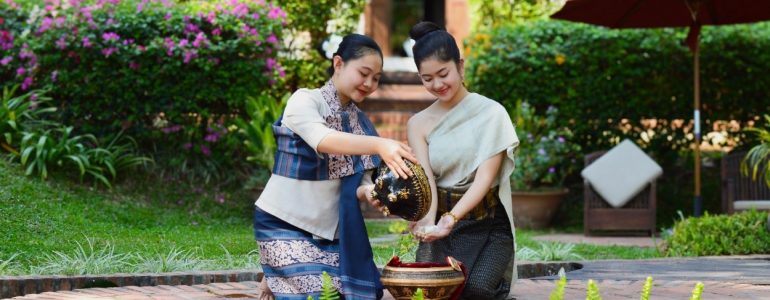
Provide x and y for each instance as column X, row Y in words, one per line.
column 749, row 204
column 621, row 173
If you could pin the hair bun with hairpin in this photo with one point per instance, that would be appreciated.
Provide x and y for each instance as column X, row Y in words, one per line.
column 422, row 29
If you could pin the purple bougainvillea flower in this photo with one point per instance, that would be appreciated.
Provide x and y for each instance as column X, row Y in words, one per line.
column 109, row 51
column 189, row 56
column 6, row 60
column 175, row 128
column 272, row 39
column 6, row 40
column 20, row 71
column 61, row 43
column 110, row 36
column 551, row 170
column 26, row 83
column 205, row 150
column 561, row 139
column 45, row 25
column 86, row 42
column 191, row 29
column 275, row 13
column 211, row 137
column 200, row 40
column 54, row 75
column 59, row 21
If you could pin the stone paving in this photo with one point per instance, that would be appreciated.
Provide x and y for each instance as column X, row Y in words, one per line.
column 744, row 277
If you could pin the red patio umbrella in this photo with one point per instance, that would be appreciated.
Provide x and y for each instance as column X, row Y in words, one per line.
column 670, row 13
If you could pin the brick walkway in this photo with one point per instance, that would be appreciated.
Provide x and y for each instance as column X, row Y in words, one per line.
column 526, row 289
column 736, row 277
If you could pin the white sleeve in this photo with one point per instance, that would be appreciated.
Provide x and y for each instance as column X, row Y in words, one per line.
column 303, row 116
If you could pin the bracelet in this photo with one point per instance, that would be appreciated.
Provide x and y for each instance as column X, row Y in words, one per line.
column 449, row 213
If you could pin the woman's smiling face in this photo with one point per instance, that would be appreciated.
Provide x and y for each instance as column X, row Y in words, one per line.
column 359, row 77
column 442, row 79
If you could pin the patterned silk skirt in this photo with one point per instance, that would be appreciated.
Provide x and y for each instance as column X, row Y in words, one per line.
column 485, row 247
column 292, row 260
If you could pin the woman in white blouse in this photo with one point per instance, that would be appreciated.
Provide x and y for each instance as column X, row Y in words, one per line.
column 307, row 220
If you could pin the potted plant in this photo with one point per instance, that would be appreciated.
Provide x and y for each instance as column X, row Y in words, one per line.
column 544, row 158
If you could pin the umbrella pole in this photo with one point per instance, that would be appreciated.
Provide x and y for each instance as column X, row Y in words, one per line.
column 698, row 201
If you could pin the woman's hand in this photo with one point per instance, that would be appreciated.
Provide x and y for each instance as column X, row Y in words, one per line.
column 393, row 154
column 365, row 192
column 430, row 233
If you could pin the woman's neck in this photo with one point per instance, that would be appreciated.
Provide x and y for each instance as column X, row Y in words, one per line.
column 344, row 99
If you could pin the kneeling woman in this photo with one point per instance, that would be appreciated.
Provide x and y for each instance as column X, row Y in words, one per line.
column 308, row 220
column 468, row 141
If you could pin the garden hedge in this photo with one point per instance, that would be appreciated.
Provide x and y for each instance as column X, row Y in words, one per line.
column 605, row 82
column 598, row 76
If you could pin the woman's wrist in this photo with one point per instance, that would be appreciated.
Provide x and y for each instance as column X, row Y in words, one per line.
column 451, row 216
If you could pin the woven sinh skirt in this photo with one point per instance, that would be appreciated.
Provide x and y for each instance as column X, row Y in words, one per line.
column 292, row 260
column 485, row 247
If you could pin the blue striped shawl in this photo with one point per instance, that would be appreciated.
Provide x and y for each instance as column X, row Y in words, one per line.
column 294, row 158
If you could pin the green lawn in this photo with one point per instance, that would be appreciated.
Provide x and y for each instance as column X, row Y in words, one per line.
column 39, row 218
column 147, row 221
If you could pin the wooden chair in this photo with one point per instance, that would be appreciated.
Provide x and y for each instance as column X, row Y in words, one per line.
column 637, row 215
column 741, row 192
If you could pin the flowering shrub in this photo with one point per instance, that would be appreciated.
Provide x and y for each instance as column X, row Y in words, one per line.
column 171, row 74
column 12, row 22
column 118, row 63
column 545, row 155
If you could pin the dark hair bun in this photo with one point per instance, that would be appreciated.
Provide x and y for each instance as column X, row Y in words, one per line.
column 421, row 29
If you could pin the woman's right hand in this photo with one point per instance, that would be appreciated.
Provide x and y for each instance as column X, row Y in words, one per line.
column 393, row 154
column 416, row 228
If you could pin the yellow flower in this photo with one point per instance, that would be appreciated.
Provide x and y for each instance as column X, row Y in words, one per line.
column 560, row 59
column 481, row 37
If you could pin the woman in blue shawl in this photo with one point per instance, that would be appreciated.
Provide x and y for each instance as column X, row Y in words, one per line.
column 307, row 220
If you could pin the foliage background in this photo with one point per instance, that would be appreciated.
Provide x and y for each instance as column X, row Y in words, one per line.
column 175, row 75
column 615, row 84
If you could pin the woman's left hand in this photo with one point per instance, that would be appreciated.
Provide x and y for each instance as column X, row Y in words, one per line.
column 367, row 191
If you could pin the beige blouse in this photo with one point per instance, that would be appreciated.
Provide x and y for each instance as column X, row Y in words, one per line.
column 310, row 205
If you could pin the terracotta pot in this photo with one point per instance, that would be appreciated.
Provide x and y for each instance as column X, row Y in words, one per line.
column 535, row 210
